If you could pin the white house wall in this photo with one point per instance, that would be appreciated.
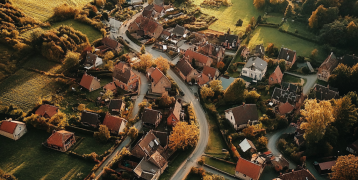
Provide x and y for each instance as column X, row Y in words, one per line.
column 230, row 116
column 6, row 134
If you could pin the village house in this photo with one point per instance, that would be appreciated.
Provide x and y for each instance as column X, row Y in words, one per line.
column 124, row 77
column 163, row 138
column 325, row 167
column 288, row 94
column 279, row 163
column 199, row 59
column 186, row 71
column 153, row 161
column 116, row 105
column 211, row 72
column 353, row 148
column 12, row 129
column 213, row 51
column 202, row 79
column 241, row 116
column 248, row 170
column 108, row 44
column 114, row 124
column 179, row 31
column 197, row 38
column 90, row 119
column 111, row 87
column 165, row 34
column 349, row 60
column 327, row 67
column 151, row 118
column 160, row 84
column 90, row 83
column 303, row 174
column 288, row 55
column 276, row 76
column 247, row 145
column 176, row 114
column 92, row 61
column 46, row 110
column 259, row 51
column 154, row 11
column 255, row 68
column 61, row 140
column 143, row 26
column 323, row 93
column 229, row 41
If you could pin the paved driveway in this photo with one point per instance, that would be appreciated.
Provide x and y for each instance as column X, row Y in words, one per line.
column 311, row 80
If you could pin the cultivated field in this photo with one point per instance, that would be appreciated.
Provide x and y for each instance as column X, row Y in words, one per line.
column 228, row 16
column 265, row 35
column 43, row 9
column 27, row 159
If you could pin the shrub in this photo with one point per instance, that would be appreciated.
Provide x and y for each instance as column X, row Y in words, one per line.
column 103, row 134
column 64, row 12
column 201, row 161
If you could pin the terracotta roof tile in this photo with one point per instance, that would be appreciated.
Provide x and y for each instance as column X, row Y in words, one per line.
column 46, row 110
column 58, row 138
column 203, row 79
column 110, row 43
column 157, row 75
column 184, row 67
column 209, row 71
column 197, row 56
column 110, row 86
column 8, row 126
column 158, row 8
column 113, row 122
column 277, row 75
column 327, row 165
column 86, row 81
column 248, row 168
column 285, row 108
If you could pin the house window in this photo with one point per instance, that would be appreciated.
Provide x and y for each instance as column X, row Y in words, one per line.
column 20, row 128
column 244, row 71
column 271, row 79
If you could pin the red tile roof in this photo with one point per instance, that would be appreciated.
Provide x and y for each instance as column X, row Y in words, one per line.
column 248, row 168
column 110, row 86
column 46, row 110
column 110, row 43
column 156, row 75
column 209, row 71
column 86, row 81
column 58, row 138
column 113, row 122
column 285, row 108
column 158, row 8
column 302, row 174
column 277, row 75
column 203, row 79
column 327, row 165
column 8, row 126
column 197, row 56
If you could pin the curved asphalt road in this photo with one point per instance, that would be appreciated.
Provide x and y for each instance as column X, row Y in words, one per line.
column 311, row 80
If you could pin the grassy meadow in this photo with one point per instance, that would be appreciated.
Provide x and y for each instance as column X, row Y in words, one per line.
column 43, row 9
column 216, row 142
column 89, row 144
column 228, row 16
column 27, row 159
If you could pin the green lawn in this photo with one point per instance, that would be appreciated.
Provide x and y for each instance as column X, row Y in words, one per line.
column 27, row 159
column 323, row 83
column 89, row 144
column 265, row 35
column 228, row 16
column 216, row 142
column 227, row 167
column 302, row 29
column 91, row 32
column 174, row 165
column 274, row 18
column 291, row 79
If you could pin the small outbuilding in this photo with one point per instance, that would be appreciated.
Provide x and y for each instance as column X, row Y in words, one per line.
column 12, row 129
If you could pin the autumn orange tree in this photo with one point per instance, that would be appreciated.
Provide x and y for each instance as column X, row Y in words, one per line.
column 345, row 168
column 259, row 4
column 249, row 131
column 166, row 100
column 251, row 97
column 183, row 136
column 162, row 64
column 146, row 61
column 216, row 85
column 322, row 16
column 220, row 65
column 206, row 92
column 318, row 116
column 133, row 132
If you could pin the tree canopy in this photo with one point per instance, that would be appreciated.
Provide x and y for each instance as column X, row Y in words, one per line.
column 183, row 135
column 345, row 168
column 236, row 91
column 206, row 92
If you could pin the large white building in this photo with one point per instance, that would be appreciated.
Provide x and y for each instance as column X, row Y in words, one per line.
column 12, row 129
column 255, row 68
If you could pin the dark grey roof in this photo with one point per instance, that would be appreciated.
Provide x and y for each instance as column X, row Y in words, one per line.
column 286, row 54
column 349, row 60
column 115, row 104
column 163, row 137
column 325, row 93
column 229, row 37
column 290, row 87
column 147, row 13
column 260, row 49
column 90, row 118
column 256, row 62
column 179, row 30
column 244, row 113
column 158, row 2
column 184, row 67
column 149, row 7
column 122, row 76
column 150, row 116
column 284, row 95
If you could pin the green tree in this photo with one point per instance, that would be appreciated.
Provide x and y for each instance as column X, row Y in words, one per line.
column 314, row 54
column 235, row 93
column 133, row 132
column 216, row 85
column 108, row 94
column 251, row 97
column 142, row 49
column 259, row 4
column 289, row 12
column 103, row 133
column 334, row 33
column 282, row 65
column 345, row 114
column 252, row 21
column 322, row 16
column 166, row 100
column 308, row 6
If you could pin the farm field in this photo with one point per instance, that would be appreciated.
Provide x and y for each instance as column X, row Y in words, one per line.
column 27, row 159
column 24, row 88
column 228, row 16
column 91, row 32
column 43, row 9
column 265, row 35
column 42, row 64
